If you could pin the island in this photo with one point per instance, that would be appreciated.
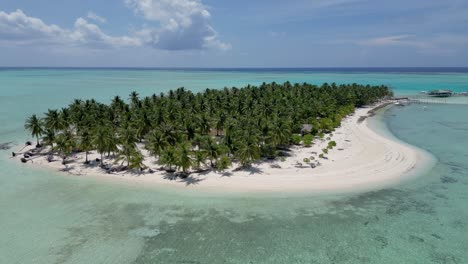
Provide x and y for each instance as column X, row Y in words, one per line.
column 267, row 137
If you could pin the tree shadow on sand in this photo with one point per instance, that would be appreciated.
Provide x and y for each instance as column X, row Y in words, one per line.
column 254, row 170
column 67, row 168
column 227, row 174
column 170, row 176
column 191, row 181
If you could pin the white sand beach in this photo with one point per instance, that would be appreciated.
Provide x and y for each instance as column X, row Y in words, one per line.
column 363, row 159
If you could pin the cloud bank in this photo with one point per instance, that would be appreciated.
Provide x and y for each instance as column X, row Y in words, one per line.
column 185, row 24
column 19, row 29
column 181, row 25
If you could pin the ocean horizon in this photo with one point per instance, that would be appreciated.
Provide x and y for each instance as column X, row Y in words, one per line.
column 261, row 69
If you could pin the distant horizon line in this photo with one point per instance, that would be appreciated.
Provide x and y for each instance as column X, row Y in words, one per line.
column 423, row 69
column 312, row 67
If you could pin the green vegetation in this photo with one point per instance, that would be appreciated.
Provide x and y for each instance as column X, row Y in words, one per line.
column 187, row 131
column 296, row 139
column 34, row 126
column 307, row 139
column 331, row 144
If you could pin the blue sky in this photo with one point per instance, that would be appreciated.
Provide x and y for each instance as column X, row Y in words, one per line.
column 243, row 33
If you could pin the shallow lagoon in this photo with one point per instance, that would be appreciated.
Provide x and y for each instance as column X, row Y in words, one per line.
column 53, row 218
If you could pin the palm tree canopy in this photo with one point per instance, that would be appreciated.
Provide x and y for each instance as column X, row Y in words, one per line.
column 34, row 126
column 250, row 123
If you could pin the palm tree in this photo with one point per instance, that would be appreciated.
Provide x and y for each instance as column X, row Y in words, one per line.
column 100, row 140
column 280, row 133
column 127, row 137
column 168, row 157
column 127, row 140
column 247, row 153
column 220, row 122
column 64, row 144
column 136, row 160
column 131, row 155
column 34, row 126
column 142, row 124
column 212, row 149
column 183, row 157
column 49, row 138
column 223, row 163
column 52, row 120
column 204, row 124
column 86, row 143
column 156, row 143
column 134, row 99
column 199, row 159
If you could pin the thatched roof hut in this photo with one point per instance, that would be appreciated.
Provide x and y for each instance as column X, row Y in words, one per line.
column 306, row 129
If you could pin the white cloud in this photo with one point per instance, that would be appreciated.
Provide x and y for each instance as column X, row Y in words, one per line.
column 446, row 45
column 90, row 34
column 16, row 26
column 93, row 16
column 396, row 40
column 184, row 24
column 19, row 29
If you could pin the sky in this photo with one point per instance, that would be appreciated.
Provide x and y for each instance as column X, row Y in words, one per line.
column 242, row 33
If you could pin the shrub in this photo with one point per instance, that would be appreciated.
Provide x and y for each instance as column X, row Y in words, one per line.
column 306, row 160
column 296, row 139
column 307, row 139
column 282, row 159
column 331, row 144
column 325, row 151
column 321, row 156
column 223, row 163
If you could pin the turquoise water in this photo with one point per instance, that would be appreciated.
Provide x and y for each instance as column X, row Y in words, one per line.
column 53, row 218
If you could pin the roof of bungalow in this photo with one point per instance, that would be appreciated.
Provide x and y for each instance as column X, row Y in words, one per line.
column 306, row 128
column 440, row 91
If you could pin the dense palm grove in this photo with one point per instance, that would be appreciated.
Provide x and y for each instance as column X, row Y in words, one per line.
column 187, row 131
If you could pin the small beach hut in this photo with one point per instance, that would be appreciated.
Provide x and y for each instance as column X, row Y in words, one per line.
column 306, row 129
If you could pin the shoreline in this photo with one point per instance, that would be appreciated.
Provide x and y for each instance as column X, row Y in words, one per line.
column 363, row 159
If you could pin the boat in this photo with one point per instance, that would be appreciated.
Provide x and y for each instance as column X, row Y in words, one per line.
column 464, row 93
column 423, row 92
column 441, row 93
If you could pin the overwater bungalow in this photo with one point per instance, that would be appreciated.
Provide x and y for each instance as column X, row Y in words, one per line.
column 441, row 93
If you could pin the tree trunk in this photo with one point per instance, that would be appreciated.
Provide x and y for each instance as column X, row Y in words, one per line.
column 86, row 161
column 102, row 159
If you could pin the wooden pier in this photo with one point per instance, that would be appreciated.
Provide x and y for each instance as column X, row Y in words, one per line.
column 423, row 99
